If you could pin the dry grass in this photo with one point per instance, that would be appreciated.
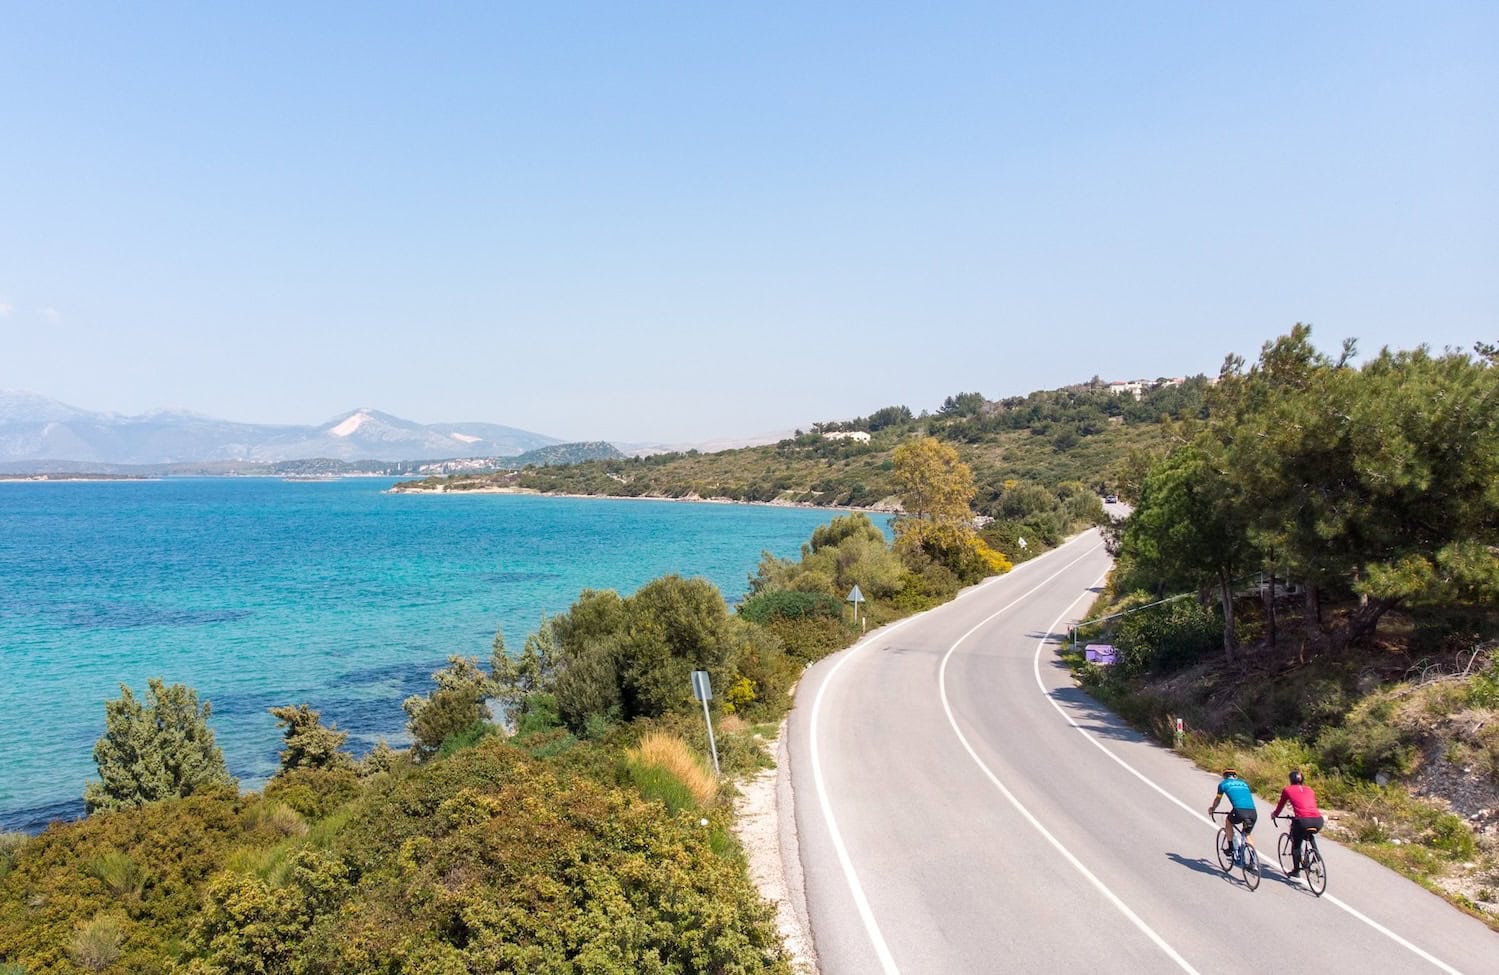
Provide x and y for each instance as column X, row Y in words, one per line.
column 96, row 943
column 673, row 755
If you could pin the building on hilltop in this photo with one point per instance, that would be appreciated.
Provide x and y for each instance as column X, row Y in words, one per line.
column 858, row 436
column 1139, row 387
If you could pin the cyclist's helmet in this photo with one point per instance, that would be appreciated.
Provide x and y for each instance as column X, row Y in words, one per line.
column 1230, row 773
column 1295, row 776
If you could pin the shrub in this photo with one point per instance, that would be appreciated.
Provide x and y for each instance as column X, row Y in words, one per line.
column 787, row 604
column 1163, row 638
column 118, row 871
column 534, row 872
column 313, row 792
column 97, row 943
column 1483, row 690
column 467, row 738
column 275, row 818
column 810, row 638
column 455, row 706
column 181, row 842
column 10, row 849
column 1367, row 743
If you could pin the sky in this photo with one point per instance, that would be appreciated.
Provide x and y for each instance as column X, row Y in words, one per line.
column 680, row 222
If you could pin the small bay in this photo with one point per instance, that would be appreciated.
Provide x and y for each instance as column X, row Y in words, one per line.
column 259, row 592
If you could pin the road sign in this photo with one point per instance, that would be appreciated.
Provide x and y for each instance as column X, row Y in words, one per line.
column 1022, row 542
column 854, row 595
column 703, row 691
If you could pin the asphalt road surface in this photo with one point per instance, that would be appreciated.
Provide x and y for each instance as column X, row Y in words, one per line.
column 960, row 808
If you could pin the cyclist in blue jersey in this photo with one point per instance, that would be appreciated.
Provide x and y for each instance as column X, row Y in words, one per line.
column 1241, row 805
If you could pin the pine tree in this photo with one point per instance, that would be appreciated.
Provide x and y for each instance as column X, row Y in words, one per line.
column 309, row 743
column 162, row 749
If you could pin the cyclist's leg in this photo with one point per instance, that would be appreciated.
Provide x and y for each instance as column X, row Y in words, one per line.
column 1298, row 836
column 1249, row 817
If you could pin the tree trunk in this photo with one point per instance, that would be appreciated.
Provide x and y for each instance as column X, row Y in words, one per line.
column 1363, row 621
column 1313, row 604
column 1268, row 595
column 1230, row 644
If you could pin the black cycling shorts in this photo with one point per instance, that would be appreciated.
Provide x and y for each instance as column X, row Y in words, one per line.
column 1245, row 818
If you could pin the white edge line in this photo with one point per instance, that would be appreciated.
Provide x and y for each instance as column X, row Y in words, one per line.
column 861, row 902
column 1102, row 888
column 1354, row 912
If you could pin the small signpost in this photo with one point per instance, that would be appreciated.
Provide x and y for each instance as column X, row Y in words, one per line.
column 856, row 597
column 1022, row 542
column 703, row 691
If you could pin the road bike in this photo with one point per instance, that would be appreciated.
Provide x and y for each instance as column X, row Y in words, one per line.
column 1234, row 849
column 1313, row 867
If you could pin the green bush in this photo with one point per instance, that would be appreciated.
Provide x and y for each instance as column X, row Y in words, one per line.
column 467, row 738
column 1368, row 743
column 1167, row 637
column 119, row 872
column 1483, row 690
column 489, row 862
column 786, row 604
column 52, row 891
column 313, row 792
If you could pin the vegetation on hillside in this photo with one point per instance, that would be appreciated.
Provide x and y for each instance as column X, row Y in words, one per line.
column 1334, row 531
column 1078, row 434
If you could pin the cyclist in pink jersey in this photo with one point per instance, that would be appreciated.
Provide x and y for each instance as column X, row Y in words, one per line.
column 1304, row 815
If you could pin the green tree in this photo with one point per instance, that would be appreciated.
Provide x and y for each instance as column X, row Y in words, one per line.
column 934, row 483
column 526, row 685
column 454, row 707
column 161, row 749
column 1190, row 531
column 309, row 743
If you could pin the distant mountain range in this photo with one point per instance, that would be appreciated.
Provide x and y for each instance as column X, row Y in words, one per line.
column 36, row 430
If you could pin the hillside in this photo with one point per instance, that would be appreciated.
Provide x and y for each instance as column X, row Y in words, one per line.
column 1079, row 434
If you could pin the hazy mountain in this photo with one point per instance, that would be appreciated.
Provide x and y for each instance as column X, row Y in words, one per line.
column 33, row 428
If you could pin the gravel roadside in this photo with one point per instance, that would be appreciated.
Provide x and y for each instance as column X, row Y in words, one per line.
column 766, row 826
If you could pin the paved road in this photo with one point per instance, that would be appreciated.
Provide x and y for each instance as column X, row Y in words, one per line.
column 962, row 809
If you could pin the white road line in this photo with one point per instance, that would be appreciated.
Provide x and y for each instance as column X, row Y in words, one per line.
column 861, row 902
column 1102, row 888
column 1354, row 912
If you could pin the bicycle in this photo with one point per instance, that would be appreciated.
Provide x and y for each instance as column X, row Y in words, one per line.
column 1243, row 854
column 1313, row 867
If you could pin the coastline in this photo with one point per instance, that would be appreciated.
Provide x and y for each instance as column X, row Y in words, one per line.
column 880, row 509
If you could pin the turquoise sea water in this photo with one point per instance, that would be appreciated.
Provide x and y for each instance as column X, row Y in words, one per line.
column 260, row 592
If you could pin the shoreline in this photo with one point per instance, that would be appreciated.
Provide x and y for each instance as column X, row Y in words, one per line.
column 690, row 499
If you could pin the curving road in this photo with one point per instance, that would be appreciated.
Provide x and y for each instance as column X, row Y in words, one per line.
column 961, row 808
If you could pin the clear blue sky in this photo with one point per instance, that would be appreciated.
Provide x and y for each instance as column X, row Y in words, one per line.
column 677, row 222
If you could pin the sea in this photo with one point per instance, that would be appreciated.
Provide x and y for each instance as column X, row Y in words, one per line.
column 338, row 594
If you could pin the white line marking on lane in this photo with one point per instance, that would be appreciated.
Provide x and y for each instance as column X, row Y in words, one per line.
column 952, row 720
column 861, row 902
column 1036, row 668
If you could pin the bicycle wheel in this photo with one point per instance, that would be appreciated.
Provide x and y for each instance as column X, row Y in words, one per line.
column 1225, row 860
column 1251, row 867
column 1283, row 853
column 1315, row 870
